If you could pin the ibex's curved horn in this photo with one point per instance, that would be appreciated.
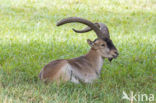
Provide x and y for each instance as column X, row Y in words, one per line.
column 94, row 27
column 102, row 27
column 87, row 29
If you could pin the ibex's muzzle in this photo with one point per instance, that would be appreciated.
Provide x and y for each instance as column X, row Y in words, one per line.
column 114, row 56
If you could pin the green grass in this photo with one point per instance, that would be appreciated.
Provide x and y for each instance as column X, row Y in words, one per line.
column 29, row 39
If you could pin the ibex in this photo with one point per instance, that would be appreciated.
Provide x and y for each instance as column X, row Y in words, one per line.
column 85, row 68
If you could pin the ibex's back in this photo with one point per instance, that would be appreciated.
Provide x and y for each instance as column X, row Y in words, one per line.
column 85, row 68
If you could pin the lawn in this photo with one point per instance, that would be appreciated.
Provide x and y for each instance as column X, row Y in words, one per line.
column 29, row 39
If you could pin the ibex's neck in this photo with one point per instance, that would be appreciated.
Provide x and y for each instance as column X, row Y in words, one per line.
column 95, row 59
column 93, row 55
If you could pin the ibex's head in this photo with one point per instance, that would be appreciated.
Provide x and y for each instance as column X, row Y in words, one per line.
column 103, row 44
column 105, row 47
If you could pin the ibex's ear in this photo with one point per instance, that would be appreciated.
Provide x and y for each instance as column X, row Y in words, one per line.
column 90, row 42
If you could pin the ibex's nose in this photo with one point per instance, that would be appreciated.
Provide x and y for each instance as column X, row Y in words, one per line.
column 116, row 53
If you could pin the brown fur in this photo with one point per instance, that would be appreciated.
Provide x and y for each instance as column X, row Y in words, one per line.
column 85, row 67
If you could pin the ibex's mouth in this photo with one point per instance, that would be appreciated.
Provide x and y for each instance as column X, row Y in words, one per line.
column 114, row 57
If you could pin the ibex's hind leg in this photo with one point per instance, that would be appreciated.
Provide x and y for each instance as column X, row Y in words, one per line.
column 55, row 71
column 62, row 75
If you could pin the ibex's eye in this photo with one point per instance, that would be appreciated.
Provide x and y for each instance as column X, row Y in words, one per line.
column 103, row 45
